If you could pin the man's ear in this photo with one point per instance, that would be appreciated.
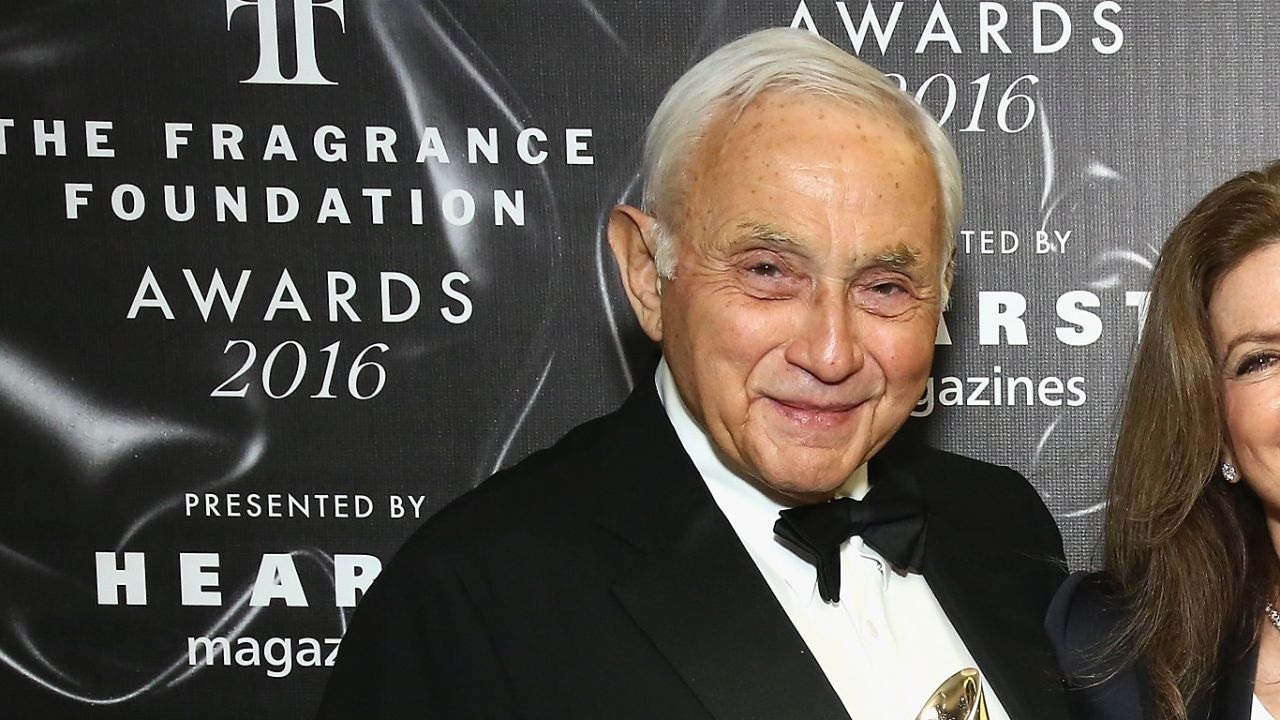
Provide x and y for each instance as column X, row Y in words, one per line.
column 631, row 238
column 949, row 277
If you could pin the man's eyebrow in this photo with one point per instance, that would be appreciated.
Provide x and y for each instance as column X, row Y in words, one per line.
column 901, row 257
column 770, row 236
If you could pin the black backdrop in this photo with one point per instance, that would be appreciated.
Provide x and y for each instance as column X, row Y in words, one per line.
column 138, row 411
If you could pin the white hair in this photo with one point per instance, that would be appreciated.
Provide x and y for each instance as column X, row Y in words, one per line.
column 786, row 60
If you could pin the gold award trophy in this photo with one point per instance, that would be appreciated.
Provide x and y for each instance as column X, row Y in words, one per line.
column 959, row 697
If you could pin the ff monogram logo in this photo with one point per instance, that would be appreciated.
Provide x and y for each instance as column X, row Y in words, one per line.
column 304, row 26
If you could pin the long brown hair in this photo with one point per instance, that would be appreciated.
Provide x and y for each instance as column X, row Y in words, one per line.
column 1188, row 554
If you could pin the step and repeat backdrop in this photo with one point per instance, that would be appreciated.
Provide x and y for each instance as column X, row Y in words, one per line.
column 279, row 278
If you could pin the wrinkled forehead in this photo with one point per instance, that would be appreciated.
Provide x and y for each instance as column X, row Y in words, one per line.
column 732, row 118
column 808, row 159
column 778, row 128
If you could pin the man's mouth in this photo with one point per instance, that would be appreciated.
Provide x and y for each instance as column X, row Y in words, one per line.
column 813, row 413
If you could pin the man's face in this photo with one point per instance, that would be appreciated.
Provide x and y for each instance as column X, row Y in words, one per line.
column 800, row 323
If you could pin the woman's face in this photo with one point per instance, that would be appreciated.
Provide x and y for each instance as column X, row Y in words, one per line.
column 1244, row 316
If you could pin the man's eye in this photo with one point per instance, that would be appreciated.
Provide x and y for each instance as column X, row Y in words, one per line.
column 765, row 270
column 887, row 297
column 1256, row 363
column 887, row 288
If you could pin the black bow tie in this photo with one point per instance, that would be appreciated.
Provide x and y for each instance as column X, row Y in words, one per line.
column 893, row 527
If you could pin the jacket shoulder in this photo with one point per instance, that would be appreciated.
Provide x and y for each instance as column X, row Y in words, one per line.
column 962, row 474
column 1081, row 619
column 1082, row 622
column 543, row 489
column 990, row 495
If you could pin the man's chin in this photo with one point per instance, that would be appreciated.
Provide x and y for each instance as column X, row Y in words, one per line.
column 806, row 483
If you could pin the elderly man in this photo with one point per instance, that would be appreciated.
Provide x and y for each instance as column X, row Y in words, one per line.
column 743, row 538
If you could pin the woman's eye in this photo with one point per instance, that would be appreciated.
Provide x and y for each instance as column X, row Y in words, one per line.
column 1255, row 363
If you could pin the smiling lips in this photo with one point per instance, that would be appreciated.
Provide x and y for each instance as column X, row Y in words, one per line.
column 806, row 413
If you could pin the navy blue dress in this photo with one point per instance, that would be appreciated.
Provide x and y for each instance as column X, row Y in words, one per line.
column 1079, row 621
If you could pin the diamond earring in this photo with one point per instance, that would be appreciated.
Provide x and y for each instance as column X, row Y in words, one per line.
column 1229, row 473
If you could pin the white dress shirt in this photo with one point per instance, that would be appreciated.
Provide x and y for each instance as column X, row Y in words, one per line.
column 887, row 645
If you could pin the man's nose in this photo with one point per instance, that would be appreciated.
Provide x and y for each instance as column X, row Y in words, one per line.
column 826, row 343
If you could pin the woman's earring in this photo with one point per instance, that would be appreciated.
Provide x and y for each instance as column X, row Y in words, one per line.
column 1229, row 473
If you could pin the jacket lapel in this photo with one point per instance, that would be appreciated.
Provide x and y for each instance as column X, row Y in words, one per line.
column 985, row 589
column 705, row 606
column 1233, row 696
column 981, row 598
column 697, row 594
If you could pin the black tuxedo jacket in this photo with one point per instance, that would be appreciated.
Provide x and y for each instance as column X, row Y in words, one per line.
column 1081, row 619
column 598, row 579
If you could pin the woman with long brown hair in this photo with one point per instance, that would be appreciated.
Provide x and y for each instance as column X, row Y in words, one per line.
column 1180, row 623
